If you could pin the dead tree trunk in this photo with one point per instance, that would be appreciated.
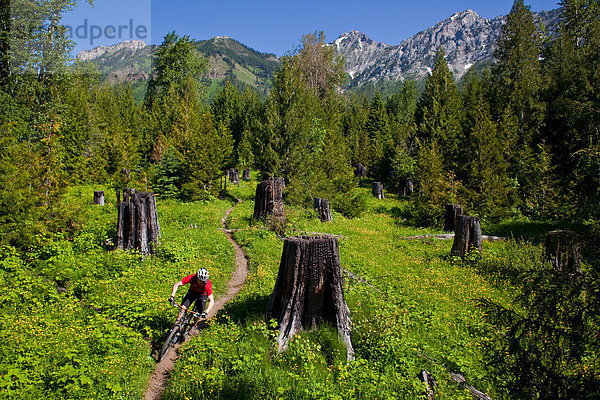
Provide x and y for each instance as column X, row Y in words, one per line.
column 246, row 174
column 322, row 206
column 452, row 212
column 377, row 190
column 564, row 250
column 268, row 199
column 99, row 197
column 406, row 187
column 234, row 176
column 309, row 289
column 428, row 379
column 137, row 223
column 467, row 235
column 360, row 171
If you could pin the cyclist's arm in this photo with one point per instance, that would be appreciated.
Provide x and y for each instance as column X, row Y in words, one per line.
column 175, row 287
column 211, row 303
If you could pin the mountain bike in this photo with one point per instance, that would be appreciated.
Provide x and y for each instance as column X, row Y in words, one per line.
column 179, row 331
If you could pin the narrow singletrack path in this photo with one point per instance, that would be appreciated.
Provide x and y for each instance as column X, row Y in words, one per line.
column 161, row 374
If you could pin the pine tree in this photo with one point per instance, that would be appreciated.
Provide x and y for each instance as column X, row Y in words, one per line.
column 517, row 86
column 439, row 113
column 177, row 61
column 353, row 124
column 433, row 187
column 401, row 107
column 380, row 143
column 573, row 96
column 486, row 175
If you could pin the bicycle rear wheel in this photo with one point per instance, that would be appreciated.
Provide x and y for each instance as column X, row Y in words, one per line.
column 171, row 340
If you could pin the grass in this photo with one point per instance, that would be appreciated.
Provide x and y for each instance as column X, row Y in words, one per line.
column 94, row 340
column 413, row 308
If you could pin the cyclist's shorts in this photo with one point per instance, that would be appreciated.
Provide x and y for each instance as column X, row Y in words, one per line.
column 191, row 297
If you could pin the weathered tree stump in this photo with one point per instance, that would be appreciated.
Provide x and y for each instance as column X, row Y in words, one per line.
column 428, row 379
column 322, row 207
column 233, row 175
column 564, row 249
column 377, row 190
column 452, row 212
column 360, row 171
column 407, row 187
column 99, row 197
column 467, row 235
column 309, row 289
column 246, row 174
column 268, row 199
column 137, row 224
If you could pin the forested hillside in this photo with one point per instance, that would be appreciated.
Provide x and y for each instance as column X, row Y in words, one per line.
column 517, row 145
column 229, row 61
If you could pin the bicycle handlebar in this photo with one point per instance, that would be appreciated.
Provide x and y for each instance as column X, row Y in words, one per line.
column 195, row 313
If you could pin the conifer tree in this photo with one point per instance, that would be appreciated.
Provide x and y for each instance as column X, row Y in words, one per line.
column 401, row 107
column 439, row 113
column 573, row 103
column 353, row 124
column 178, row 69
column 517, row 87
column 380, row 143
column 432, row 185
column 486, row 175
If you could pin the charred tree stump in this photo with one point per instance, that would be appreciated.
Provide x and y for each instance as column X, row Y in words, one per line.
column 377, row 190
column 407, row 187
column 428, row 379
column 322, row 207
column 246, row 174
column 360, row 171
column 234, row 176
column 467, row 235
column 268, row 199
column 452, row 213
column 99, row 197
column 137, row 223
column 563, row 248
column 309, row 289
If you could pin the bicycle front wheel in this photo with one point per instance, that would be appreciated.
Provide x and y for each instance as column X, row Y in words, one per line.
column 171, row 340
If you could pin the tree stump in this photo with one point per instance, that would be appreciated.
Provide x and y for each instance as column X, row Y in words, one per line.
column 137, row 224
column 268, row 199
column 467, row 235
column 428, row 379
column 233, row 175
column 377, row 190
column 322, row 207
column 360, row 171
column 99, row 197
column 246, row 174
column 452, row 213
column 309, row 289
column 407, row 187
column 564, row 249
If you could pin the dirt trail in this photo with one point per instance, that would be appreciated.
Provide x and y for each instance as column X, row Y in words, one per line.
column 161, row 374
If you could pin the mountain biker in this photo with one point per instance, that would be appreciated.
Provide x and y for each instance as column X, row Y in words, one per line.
column 200, row 290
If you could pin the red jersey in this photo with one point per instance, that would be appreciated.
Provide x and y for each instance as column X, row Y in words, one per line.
column 197, row 286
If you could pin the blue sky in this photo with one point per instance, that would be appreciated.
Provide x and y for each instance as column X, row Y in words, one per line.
column 268, row 25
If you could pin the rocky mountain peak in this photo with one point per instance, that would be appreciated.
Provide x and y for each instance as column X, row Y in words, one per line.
column 131, row 45
column 466, row 37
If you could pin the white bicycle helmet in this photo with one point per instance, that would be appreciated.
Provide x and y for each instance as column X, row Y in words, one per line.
column 202, row 274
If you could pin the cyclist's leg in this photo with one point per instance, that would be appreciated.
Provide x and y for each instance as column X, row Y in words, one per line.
column 199, row 307
column 201, row 303
column 186, row 303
